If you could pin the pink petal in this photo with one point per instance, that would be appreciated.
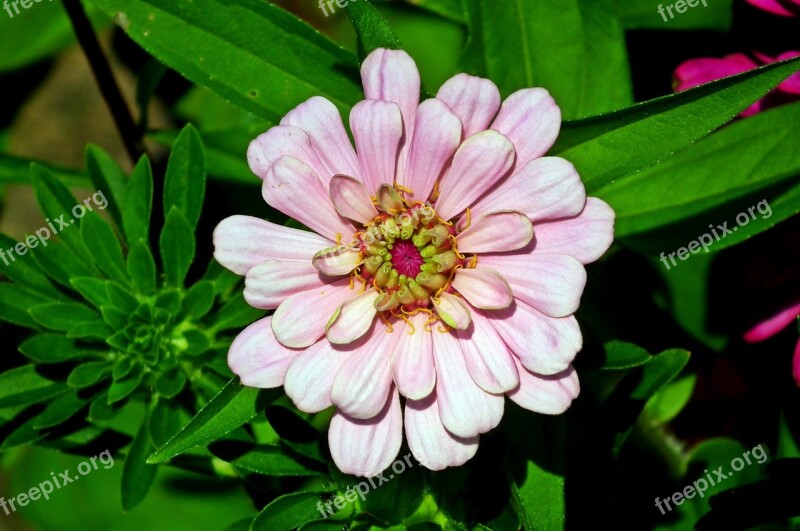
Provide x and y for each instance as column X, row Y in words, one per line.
column 700, row 71
column 412, row 361
column 283, row 141
column 351, row 199
column 483, row 288
column 792, row 84
column 496, row 232
column 301, row 319
column 436, row 138
column 363, row 382
column 546, row 188
column 475, row 101
column 488, row 359
column 243, row 242
column 772, row 6
column 531, row 119
column 769, row 327
column 481, row 161
column 257, row 357
column 293, row 188
column 336, row 261
column 268, row 284
column 320, row 119
column 377, row 129
column 586, row 236
column 452, row 311
column 796, row 364
column 551, row 283
column 544, row 345
column 353, row 319
column 466, row 409
column 392, row 75
column 432, row 445
column 367, row 447
column 309, row 378
column 549, row 395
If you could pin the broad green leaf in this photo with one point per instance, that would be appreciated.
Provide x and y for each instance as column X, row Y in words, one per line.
column 447, row 8
column 55, row 348
column 88, row 374
column 137, row 202
column 539, row 501
column 177, row 247
column 737, row 161
column 288, row 512
column 170, row 383
column 142, row 267
column 620, row 355
column 372, row 30
column 23, row 272
column 612, row 146
column 60, row 410
column 644, row 14
column 23, row 385
column 101, row 241
column 575, row 49
column 228, row 410
column 670, row 401
column 16, row 303
column 123, row 388
column 265, row 460
column 137, row 475
column 198, row 300
column 185, row 181
column 108, row 178
column 62, row 316
column 252, row 53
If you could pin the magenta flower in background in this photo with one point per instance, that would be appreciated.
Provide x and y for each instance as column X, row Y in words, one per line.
column 445, row 266
column 694, row 72
column 784, row 8
column 771, row 327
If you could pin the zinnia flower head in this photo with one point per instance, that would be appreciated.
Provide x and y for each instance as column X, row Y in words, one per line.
column 784, row 8
column 701, row 70
column 445, row 266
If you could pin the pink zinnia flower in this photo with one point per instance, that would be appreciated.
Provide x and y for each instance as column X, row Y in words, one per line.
column 446, row 267
column 784, row 8
column 694, row 72
column 770, row 327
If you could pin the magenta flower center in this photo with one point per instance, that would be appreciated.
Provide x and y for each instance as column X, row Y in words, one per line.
column 406, row 258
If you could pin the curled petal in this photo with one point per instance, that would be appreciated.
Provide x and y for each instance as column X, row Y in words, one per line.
column 351, row 199
column 496, row 232
column 452, row 311
column 336, row 261
column 353, row 319
column 483, row 288
column 283, row 141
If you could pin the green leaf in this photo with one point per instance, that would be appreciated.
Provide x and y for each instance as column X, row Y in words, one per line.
column 137, row 475
column 88, row 374
column 61, row 264
column 58, row 204
column 171, row 383
column 252, row 53
column 643, row 14
column 100, row 410
column 101, row 241
column 165, row 421
column 107, row 178
column 24, row 272
column 707, row 176
column 92, row 289
column 119, row 297
column 288, row 512
column 142, row 267
column 198, row 300
column 265, row 460
column 236, row 313
column 137, row 203
column 23, row 434
column 612, row 146
column 23, row 385
column 97, row 329
column 62, row 316
column 185, row 181
column 228, row 410
column 122, row 389
column 60, row 410
column 16, row 303
column 116, row 318
column 447, row 8
column 372, row 30
column 177, row 247
column 555, row 44
column 55, row 348
column 667, row 403
column 44, row 31
column 620, row 355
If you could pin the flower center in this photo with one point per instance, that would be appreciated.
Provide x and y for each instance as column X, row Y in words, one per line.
column 410, row 254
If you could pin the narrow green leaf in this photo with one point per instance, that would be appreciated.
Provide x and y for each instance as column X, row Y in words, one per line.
column 96, row 329
column 24, row 434
column 185, row 181
column 137, row 203
column 122, row 389
column 198, row 300
column 16, row 303
column 228, row 410
column 265, row 460
column 372, row 30
column 24, row 272
column 116, row 318
column 177, row 247
column 137, row 475
column 142, row 267
column 666, row 404
column 101, row 411
column 101, row 241
column 252, row 53
column 62, row 265
column 60, row 410
column 55, row 348
column 288, row 512
column 62, row 316
column 612, row 146
column 620, row 355
column 170, row 383
column 165, row 421
column 108, row 178
column 120, row 297
column 447, row 8
column 92, row 289
column 89, row 373
column 23, row 385
column 644, row 14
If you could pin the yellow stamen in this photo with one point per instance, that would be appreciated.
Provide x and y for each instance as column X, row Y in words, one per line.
column 385, row 320
column 469, row 219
